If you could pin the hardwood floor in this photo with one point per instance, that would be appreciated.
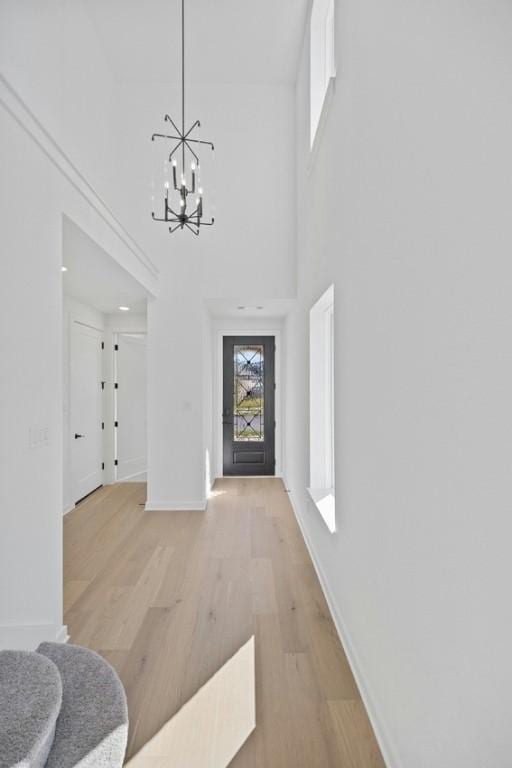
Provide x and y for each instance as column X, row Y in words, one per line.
column 169, row 597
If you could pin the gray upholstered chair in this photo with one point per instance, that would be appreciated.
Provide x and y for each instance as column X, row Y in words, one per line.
column 61, row 707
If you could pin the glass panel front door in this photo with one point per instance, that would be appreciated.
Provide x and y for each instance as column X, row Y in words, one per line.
column 248, row 405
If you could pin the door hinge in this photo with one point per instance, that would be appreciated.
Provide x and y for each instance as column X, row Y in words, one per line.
column 274, row 386
column 116, row 347
column 103, row 345
column 115, row 462
column 116, row 385
column 116, row 423
column 103, row 425
column 103, row 465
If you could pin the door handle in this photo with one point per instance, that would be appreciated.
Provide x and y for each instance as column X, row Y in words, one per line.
column 77, row 436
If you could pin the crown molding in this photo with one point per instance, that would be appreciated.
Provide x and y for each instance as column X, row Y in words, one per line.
column 27, row 120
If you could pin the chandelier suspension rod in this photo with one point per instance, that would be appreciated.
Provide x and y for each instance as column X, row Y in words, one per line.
column 183, row 81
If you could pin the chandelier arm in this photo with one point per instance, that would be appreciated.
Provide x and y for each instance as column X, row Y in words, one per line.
column 191, row 228
column 207, row 223
column 174, row 150
column 169, row 118
column 191, row 150
column 191, row 129
column 200, row 141
column 165, row 136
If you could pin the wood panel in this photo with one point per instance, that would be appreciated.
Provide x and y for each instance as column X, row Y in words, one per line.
column 171, row 598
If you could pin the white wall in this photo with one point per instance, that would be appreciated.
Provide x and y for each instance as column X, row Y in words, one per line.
column 176, row 366
column 39, row 184
column 406, row 210
column 55, row 81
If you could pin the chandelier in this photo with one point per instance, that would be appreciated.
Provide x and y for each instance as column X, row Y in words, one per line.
column 185, row 181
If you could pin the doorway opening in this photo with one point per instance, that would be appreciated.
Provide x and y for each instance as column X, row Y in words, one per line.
column 86, row 366
column 130, row 407
column 104, row 369
column 248, row 413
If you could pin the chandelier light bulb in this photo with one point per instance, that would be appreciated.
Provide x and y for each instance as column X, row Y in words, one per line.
column 166, row 185
column 174, row 162
column 192, row 166
column 200, row 190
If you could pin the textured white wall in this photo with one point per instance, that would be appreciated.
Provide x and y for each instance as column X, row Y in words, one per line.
column 407, row 210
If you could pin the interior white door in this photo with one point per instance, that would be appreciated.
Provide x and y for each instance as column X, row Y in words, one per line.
column 131, row 366
column 86, row 410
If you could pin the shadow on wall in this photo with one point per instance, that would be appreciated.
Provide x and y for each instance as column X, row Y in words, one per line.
column 213, row 725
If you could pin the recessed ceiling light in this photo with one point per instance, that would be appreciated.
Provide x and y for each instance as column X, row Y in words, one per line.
column 240, row 307
column 124, row 309
column 259, row 307
column 64, row 269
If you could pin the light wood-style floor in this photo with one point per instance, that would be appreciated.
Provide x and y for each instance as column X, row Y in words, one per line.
column 169, row 597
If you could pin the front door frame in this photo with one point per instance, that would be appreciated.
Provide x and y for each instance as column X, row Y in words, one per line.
column 218, row 399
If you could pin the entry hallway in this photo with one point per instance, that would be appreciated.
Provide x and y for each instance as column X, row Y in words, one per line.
column 170, row 597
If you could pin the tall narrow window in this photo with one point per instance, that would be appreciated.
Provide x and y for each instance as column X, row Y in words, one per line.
column 321, row 406
column 322, row 60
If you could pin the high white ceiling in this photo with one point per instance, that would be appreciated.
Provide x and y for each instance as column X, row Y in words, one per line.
column 227, row 41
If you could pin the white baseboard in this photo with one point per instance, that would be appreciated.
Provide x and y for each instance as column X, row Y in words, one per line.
column 62, row 635
column 137, row 477
column 26, row 637
column 389, row 752
column 175, row 506
column 66, row 510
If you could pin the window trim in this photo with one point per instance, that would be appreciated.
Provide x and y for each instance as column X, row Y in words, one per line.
column 322, row 407
column 322, row 58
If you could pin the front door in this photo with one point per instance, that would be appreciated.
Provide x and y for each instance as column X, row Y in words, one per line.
column 248, row 405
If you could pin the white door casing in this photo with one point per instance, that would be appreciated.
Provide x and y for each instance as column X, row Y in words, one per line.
column 86, row 409
column 130, row 406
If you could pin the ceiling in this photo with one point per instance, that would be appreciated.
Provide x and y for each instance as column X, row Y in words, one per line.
column 227, row 41
column 266, row 308
column 94, row 278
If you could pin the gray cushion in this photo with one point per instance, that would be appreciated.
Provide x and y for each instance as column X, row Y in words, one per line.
column 92, row 728
column 30, row 700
